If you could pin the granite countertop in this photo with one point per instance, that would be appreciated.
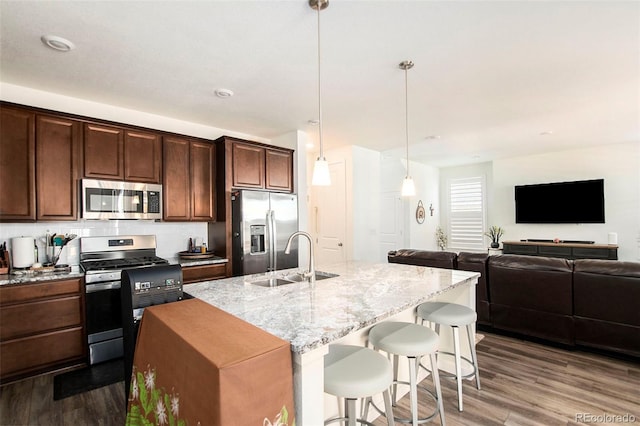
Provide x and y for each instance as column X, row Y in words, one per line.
column 7, row 279
column 310, row 316
column 34, row 277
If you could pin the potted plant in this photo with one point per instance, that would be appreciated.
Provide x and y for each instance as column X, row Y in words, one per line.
column 441, row 237
column 495, row 232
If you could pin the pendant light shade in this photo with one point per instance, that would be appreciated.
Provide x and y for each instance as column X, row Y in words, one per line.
column 408, row 187
column 321, row 175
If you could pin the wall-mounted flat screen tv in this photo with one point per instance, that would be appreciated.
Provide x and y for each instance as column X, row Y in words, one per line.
column 561, row 202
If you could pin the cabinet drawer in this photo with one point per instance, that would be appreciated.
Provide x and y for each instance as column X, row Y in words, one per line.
column 35, row 317
column 28, row 292
column 519, row 249
column 593, row 253
column 554, row 251
column 41, row 352
column 192, row 274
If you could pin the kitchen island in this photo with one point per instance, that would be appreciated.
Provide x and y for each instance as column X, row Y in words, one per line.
column 335, row 310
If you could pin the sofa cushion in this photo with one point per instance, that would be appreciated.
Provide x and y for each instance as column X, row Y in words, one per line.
column 530, row 282
column 435, row 259
column 607, row 290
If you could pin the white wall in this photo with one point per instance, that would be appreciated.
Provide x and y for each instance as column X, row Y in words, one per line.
column 362, row 193
column 366, row 203
column 171, row 237
column 426, row 178
column 618, row 164
column 60, row 103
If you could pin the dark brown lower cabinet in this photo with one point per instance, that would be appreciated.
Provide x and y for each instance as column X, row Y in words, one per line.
column 42, row 328
column 193, row 274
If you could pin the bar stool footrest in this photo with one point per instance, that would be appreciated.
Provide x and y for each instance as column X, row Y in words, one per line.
column 448, row 375
column 420, row 420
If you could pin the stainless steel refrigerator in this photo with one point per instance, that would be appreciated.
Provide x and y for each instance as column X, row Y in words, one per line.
column 261, row 225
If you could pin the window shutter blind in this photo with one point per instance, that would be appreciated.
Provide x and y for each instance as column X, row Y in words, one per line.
column 466, row 214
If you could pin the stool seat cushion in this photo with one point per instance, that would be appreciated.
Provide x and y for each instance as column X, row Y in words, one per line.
column 355, row 372
column 403, row 338
column 450, row 314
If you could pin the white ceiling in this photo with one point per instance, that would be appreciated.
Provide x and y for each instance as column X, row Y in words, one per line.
column 490, row 76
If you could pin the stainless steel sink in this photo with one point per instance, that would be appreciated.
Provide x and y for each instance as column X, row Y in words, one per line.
column 271, row 282
column 299, row 278
column 290, row 279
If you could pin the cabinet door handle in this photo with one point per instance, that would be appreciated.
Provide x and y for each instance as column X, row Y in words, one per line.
column 339, row 244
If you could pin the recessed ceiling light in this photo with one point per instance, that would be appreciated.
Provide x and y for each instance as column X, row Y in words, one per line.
column 224, row 93
column 57, row 43
column 432, row 137
column 546, row 133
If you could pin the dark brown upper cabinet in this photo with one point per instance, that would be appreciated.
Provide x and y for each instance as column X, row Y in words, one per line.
column 142, row 156
column 120, row 153
column 279, row 170
column 57, row 146
column 17, row 165
column 188, row 180
column 260, row 167
column 248, row 166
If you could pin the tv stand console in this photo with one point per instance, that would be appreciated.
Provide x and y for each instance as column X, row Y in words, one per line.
column 564, row 250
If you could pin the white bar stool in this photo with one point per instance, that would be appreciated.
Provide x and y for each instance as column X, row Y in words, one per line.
column 354, row 372
column 412, row 341
column 455, row 316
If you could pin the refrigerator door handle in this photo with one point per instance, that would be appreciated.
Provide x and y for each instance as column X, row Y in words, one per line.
column 274, row 235
column 269, row 244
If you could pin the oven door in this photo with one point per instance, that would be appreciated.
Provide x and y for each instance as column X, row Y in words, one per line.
column 104, row 321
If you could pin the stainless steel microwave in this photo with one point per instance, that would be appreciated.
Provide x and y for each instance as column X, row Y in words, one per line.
column 106, row 199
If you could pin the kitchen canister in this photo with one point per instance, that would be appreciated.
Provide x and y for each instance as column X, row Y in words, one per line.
column 22, row 252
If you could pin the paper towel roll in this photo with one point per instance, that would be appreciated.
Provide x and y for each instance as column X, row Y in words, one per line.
column 613, row 238
column 22, row 252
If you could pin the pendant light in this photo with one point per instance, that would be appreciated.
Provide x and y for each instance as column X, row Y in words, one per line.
column 321, row 175
column 408, row 187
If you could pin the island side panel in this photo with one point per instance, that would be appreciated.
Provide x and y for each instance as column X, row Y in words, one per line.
column 308, row 385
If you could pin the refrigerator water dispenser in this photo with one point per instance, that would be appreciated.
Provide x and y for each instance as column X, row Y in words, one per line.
column 257, row 238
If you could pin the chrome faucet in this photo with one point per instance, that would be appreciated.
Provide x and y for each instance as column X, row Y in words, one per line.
column 311, row 273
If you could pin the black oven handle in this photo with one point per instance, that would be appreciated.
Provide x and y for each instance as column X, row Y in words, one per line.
column 111, row 285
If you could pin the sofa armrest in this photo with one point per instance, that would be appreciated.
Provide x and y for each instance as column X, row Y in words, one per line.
column 478, row 262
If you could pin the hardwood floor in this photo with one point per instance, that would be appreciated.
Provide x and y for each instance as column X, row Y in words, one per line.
column 523, row 383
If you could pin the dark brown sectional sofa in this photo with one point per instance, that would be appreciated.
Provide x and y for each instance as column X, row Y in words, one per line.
column 590, row 303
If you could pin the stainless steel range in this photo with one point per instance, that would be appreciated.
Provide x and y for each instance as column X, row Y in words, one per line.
column 102, row 259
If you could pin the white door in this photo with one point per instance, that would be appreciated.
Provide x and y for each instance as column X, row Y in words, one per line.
column 392, row 223
column 330, row 217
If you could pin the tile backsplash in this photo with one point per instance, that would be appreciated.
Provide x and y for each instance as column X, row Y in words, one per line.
column 171, row 237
